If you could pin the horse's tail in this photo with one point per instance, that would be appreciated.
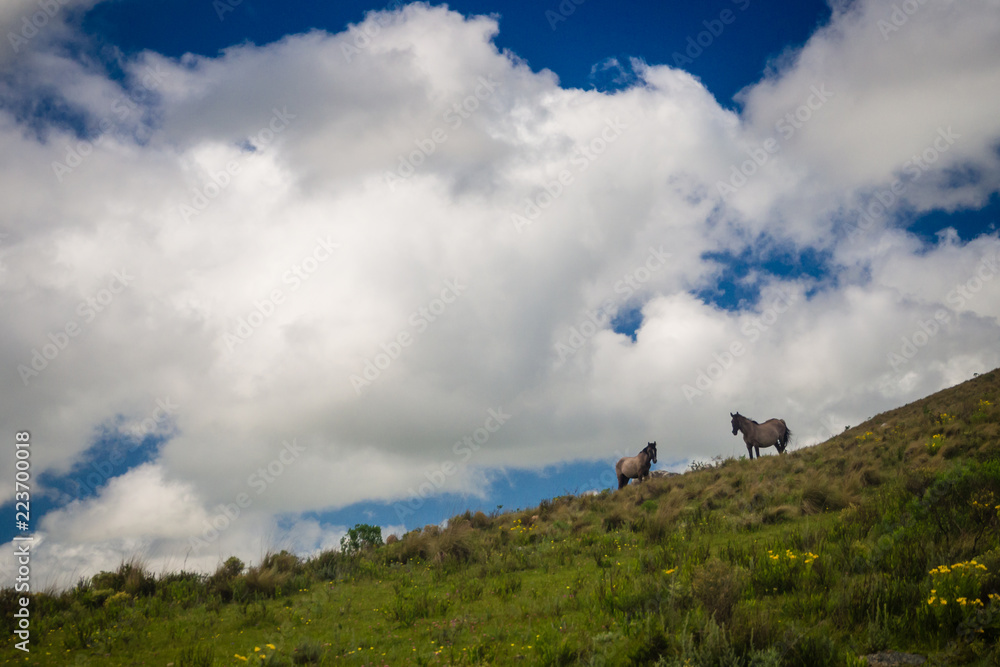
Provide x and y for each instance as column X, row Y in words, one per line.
column 784, row 437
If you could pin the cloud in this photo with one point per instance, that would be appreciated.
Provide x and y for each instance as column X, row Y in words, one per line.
column 336, row 257
column 880, row 95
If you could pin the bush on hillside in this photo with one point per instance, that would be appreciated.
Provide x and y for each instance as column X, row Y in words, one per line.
column 362, row 537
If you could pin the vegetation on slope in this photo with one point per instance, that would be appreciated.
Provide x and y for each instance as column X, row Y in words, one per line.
column 884, row 537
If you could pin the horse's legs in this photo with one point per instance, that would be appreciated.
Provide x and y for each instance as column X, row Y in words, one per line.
column 750, row 451
column 622, row 481
column 757, row 449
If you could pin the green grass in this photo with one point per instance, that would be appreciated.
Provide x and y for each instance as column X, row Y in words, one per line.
column 884, row 537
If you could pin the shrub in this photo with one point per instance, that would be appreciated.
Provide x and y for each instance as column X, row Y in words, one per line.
column 130, row 577
column 781, row 571
column 945, row 505
column 221, row 583
column 955, row 593
column 415, row 545
column 718, row 586
column 282, row 561
column 118, row 601
column 455, row 543
column 361, row 537
column 9, row 603
column 184, row 588
column 263, row 581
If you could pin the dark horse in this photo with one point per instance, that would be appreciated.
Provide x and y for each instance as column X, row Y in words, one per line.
column 772, row 432
column 637, row 466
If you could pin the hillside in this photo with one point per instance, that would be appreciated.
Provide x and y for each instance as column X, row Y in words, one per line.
column 882, row 538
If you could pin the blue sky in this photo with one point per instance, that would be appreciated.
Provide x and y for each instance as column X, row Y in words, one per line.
column 571, row 39
column 330, row 263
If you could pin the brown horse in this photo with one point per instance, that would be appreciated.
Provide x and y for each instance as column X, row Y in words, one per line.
column 772, row 432
column 637, row 466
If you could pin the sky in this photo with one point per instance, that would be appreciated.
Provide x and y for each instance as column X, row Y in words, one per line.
column 270, row 270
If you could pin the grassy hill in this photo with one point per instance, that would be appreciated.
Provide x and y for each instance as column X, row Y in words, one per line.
column 884, row 537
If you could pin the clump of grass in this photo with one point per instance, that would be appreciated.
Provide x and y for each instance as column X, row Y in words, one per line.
column 131, row 577
column 718, row 586
column 613, row 521
column 308, row 652
column 272, row 576
column 779, row 514
column 818, row 497
column 409, row 606
column 470, row 590
column 199, row 655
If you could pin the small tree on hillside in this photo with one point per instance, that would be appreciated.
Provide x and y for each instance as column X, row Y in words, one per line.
column 361, row 537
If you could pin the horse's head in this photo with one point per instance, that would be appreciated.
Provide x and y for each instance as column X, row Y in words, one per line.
column 736, row 422
column 651, row 451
